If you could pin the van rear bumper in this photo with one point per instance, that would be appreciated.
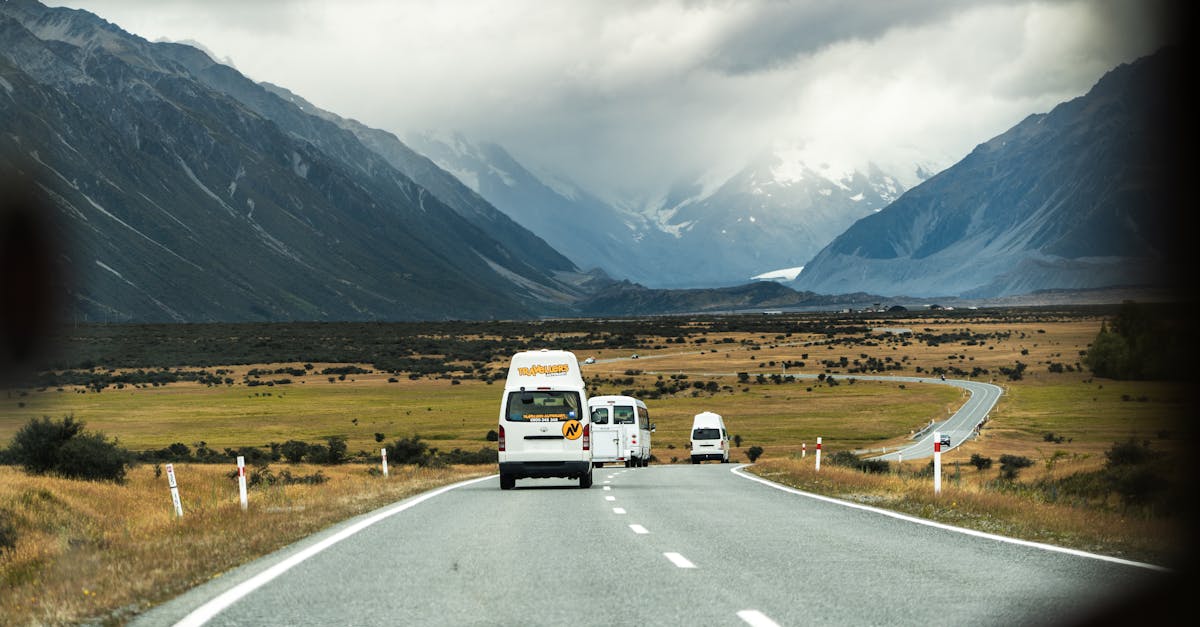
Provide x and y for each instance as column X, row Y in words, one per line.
column 707, row 456
column 538, row 470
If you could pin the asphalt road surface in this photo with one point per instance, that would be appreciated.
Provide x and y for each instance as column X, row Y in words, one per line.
column 663, row 545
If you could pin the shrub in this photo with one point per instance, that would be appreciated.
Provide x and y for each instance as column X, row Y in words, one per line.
column 92, row 457
column 492, row 436
column 337, row 449
column 753, row 453
column 36, row 446
column 294, row 450
column 63, row 447
column 1011, row 465
column 980, row 462
column 1127, row 453
column 410, row 451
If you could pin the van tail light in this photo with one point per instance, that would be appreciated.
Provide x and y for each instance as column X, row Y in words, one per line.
column 587, row 437
column 500, row 440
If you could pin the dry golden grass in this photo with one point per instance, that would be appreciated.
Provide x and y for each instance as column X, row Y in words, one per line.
column 90, row 551
column 967, row 501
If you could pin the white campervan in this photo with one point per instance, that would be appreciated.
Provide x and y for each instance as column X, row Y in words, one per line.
column 710, row 440
column 621, row 431
column 544, row 427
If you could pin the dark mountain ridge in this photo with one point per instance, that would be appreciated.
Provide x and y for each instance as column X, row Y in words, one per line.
column 1076, row 198
column 185, row 204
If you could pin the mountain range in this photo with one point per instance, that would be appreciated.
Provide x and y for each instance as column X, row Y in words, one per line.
column 188, row 192
column 776, row 212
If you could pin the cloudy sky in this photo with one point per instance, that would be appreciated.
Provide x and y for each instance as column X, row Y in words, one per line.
column 626, row 96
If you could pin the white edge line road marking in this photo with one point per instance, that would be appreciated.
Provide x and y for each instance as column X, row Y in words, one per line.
column 206, row 612
column 929, row 523
column 638, row 529
column 756, row 618
column 607, row 487
column 618, row 510
column 679, row 560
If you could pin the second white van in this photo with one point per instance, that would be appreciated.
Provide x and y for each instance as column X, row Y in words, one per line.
column 710, row 440
column 621, row 431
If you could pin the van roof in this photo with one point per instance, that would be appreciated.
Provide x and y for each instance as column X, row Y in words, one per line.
column 707, row 418
column 556, row 369
column 612, row 398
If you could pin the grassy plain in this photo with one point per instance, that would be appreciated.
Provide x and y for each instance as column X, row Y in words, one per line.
column 1054, row 395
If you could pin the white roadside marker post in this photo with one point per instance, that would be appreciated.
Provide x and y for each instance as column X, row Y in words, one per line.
column 383, row 452
column 818, row 454
column 803, row 450
column 937, row 462
column 174, row 490
column 242, row 482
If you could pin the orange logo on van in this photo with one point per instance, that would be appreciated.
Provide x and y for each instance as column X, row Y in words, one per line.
column 539, row 370
column 572, row 429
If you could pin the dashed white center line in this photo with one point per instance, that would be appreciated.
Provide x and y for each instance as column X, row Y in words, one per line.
column 610, row 498
column 607, row 482
column 618, row 510
column 756, row 618
column 607, row 487
column 638, row 529
column 679, row 560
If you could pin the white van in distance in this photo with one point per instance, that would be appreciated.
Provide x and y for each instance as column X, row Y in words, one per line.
column 621, row 431
column 544, row 427
column 710, row 440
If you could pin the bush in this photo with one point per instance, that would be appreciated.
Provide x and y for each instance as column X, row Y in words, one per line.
column 63, row 447
column 410, row 451
column 850, row 460
column 980, row 462
column 1011, row 465
column 36, row 446
column 294, row 450
column 92, row 457
column 492, row 436
column 337, row 449
column 1128, row 453
column 753, row 453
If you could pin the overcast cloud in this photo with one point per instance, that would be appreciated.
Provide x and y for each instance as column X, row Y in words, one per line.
column 627, row 96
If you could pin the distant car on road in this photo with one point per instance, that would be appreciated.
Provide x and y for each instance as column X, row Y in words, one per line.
column 945, row 439
column 635, row 355
column 590, row 360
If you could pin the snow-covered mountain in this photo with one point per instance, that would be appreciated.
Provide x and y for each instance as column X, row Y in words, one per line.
column 775, row 213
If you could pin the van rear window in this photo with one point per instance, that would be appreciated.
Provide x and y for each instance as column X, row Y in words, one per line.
column 706, row 434
column 622, row 415
column 542, row 406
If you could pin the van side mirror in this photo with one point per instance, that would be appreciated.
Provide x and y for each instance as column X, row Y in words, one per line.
column 652, row 428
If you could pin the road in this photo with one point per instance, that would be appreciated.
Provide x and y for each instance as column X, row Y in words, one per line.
column 663, row 545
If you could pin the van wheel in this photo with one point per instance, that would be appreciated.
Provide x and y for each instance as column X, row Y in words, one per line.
column 507, row 482
column 695, row 461
column 627, row 464
column 597, row 464
column 585, row 481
